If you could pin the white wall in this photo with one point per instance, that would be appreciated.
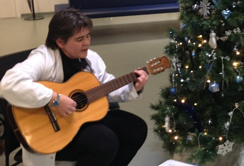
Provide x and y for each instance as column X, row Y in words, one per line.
column 14, row 8
column 7, row 8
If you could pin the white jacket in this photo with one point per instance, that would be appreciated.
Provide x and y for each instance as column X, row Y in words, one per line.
column 19, row 87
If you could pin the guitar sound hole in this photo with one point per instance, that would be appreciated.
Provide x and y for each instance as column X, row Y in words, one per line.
column 80, row 99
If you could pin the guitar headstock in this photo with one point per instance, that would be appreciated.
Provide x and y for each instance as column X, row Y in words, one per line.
column 158, row 65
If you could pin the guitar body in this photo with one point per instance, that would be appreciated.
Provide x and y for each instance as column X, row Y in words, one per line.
column 34, row 129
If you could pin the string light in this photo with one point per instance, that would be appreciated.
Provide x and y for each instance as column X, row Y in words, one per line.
column 235, row 64
column 183, row 100
column 238, row 52
column 176, row 137
column 200, row 36
column 205, row 132
column 221, row 138
column 170, row 131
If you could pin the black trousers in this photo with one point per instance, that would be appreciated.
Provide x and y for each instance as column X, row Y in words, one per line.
column 112, row 141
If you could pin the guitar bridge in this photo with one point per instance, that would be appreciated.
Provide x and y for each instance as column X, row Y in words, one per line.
column 52, row 118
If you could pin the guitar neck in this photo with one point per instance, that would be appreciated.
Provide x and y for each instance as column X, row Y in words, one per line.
column 108, row 87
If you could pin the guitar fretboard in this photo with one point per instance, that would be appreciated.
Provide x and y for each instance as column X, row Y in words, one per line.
column 104, row 89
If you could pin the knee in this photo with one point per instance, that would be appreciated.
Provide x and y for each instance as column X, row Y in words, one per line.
column 136, row 133
column 142, row 130
column 107, row 143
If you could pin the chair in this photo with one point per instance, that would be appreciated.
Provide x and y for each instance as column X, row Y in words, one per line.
column 1, row 132
column 11, row 142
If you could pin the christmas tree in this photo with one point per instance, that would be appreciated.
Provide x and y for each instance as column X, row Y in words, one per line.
column 202, row 110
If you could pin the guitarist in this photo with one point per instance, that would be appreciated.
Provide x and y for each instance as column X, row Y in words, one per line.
column 112, row 141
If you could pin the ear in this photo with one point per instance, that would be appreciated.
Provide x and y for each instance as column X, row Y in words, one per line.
column 60, row 42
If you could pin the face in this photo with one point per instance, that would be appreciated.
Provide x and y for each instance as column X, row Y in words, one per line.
column 77, row 45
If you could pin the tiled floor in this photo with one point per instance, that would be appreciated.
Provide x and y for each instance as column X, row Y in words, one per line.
column 125, row 43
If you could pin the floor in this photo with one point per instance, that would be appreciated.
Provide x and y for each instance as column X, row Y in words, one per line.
column 124, row 43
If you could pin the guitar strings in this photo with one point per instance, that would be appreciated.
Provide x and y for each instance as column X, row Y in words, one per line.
column 95, row 93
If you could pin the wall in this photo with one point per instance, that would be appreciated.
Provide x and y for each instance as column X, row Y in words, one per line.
column 7, row 8
column 15, row 8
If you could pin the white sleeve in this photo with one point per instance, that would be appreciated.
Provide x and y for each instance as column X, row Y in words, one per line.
column 18, row 85
column 124, row 94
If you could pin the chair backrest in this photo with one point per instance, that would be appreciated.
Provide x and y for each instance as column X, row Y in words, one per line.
column 94, row 4
column 8, row 61
column 1, row 132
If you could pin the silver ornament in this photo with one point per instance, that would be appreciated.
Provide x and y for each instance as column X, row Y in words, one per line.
column 195, row 7
column 212, row 40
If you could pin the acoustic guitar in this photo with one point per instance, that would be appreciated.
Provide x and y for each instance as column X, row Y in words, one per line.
column 42, row 130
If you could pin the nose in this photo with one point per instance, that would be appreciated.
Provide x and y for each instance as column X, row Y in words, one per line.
column 87, row 41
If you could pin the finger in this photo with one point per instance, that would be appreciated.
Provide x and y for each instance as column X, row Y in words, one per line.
column 140, row 79
column 68, row 113
column 73, row 109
